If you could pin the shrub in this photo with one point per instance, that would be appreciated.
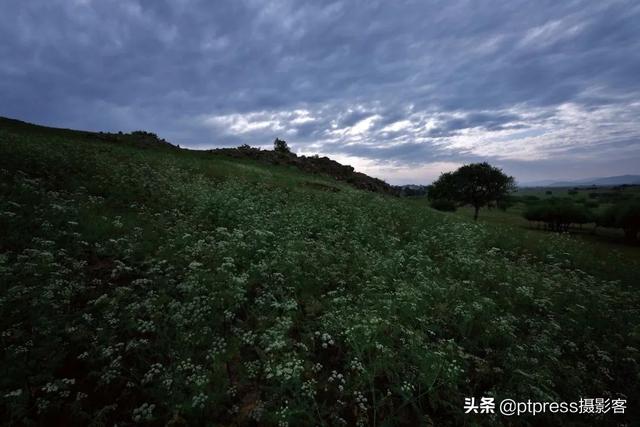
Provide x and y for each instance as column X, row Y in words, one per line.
column 623, row 215
column 534, row 212
column 280, row 146
column 558, row 215
column 506, row 202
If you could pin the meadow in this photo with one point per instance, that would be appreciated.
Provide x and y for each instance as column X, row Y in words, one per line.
column 143, row 284
column 604, row 248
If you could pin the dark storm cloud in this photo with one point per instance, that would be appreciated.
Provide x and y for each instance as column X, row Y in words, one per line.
column 402, row 83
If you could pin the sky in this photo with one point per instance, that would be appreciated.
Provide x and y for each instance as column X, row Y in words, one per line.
column 402, row 90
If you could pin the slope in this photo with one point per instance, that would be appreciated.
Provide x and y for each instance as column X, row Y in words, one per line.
column 143, row 283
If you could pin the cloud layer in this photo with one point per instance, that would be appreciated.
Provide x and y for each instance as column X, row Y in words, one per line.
column 401, row 89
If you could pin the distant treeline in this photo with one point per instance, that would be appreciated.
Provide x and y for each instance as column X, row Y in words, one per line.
column 412, row 190
column 559, row 214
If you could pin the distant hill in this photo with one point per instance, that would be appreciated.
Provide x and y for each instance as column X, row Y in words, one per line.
column 137, row 138
column 312, row 164
column 599, row 181
column 142, row 139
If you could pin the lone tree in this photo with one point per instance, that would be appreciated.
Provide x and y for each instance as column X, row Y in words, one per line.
column 477, row 184
column 280, row 146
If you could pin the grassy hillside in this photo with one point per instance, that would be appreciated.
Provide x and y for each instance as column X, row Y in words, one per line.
column 147, row 284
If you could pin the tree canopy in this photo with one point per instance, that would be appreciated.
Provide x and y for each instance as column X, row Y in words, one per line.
column 622, row 215
column 476, row 184
column 558, row 214
column 281, row 146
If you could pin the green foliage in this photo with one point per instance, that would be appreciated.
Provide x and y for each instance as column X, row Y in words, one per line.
column 624, row 215
column 558, row 214
column 445, row 188
column 506, row 202
column 280, row 146
column 171, row 287
column 477, row 184
column 612, row 196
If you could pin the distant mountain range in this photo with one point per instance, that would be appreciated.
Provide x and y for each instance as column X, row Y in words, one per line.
column 599, row 181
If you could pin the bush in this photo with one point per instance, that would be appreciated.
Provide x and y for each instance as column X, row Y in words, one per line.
column 623, row 215
column 443, row 205
column 506, row 202
column 280, row 146
column 534, row 212
column 611, row 197
column 558, row 215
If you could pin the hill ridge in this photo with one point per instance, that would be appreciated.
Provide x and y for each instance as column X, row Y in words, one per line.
column 310, row 164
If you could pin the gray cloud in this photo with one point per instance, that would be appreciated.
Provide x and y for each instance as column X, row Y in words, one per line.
column 392, row 87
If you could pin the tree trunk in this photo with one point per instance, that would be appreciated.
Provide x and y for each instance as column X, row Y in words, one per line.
column 475, row 213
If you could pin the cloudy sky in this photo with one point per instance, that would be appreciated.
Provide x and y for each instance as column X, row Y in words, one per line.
column 402, row 90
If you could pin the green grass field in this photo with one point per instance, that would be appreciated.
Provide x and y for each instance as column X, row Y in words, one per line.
column 603, row 247
column 148, row 285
